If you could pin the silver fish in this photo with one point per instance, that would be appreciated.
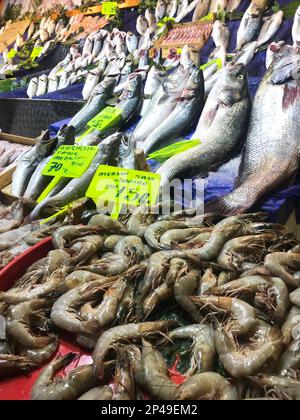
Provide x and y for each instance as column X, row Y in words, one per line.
column 141, row 25
column 91, row 82
column 42, row 85
column 32, row 87
column 182, row 6
column 296, row 28
column 151, row 19
column 144, row 59
column 162, row 104
column 245, row 55
column 126, row 156
column 221, row 34
column 181, row 120
column 29, row 161
column 97, row 47
column 108, row 150
column 160, row 10
column 131, row 42
column 269, row 28
column 127, row 70
column 88, row 46
column 38, row 182
column 221, row 128
column 154, row 80
column 201, row 10
column 31, row 30
column 64, row 81
column 271, row 154
column 52, row 84
column 131, row 99
column 96, row 103
column 171, row 8
column 233, row 5
column 250, row 26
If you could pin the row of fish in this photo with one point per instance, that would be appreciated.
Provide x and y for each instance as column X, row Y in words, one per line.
column 10, row 153
column 219, row 297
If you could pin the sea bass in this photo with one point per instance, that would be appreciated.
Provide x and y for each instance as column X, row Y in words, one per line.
column 181, row 120
column 96, row 103
column 131, row 99
column 29, row 161
column 221, row 128
column 76, row 188
column 272, row 151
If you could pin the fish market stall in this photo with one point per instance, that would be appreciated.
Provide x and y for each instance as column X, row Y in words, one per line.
column 149, row 240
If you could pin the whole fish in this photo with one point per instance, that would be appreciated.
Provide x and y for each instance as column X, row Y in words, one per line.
column 31, row 30
column 76, row 188
column 145, row 41
column 131, row 99
column 271, row 153
column 131, row 42
column 97, row 47
column 182, row 6
column 143, row 59
column 96, row 103
column 88, row 46
column 19, row 42
column 29, row 161
column 64, row 81
column 154, row 80
column 42, row 85
column 245, row 55
column 162, row 104
column 38, row 182
column 233, row 5
column 182, row 14
column 296, row 28
column 221, row 128
column 44, row 36
column 127, row 70
column 171, row 8
column 52, row 84
column 151, row 19
column 141, row 25
column 91, row 82
column 51, row 27
column 201, row 10
column 126, row 157
column 221, row 34
column 270, row 27
column 120, row 46
column 181, row 120
column 250, row 26
column 32, row 87
column 160, row 10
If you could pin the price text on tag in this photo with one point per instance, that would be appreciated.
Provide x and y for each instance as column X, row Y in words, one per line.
column 123, row 188
column 70, row 161
column 107, row 118
column 36, row 52
column 109, row 8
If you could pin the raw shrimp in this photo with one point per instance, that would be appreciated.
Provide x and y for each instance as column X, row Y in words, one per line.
column 295, row 250
column 280, row 264
column 173, row 237
column 197, row 242
column 111, row 242
column 183, row 289
column 290, row 359
column 158, row 266
column 295, row 297
column 203, row 347
column 208, row 282
column 22, row 318
column 155, row 374
column 242, row 316
column 110, row 265
column 87, row 341
column 289, row 327
column 69, row 387
column 78, row 277
column 132, row 247
column 270, row 293
column 106, row 224
column 14, row 218
column 41, row 233
column 263, row 350
column 101, row 393
column 160, row 294
column 286, row 386
column 65, row 234
column 140, row 220
column 124, row 332
column 207, row 386
column 243, row 249
column 64, row 311
column 85, row 249
column 123, row 378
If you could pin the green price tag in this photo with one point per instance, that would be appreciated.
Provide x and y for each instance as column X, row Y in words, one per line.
column 207, row 18
column 107, row 118
column 12, row 53
column 217, row 61
column 109, row 8
column 123, row 187
column 70, row 161
column 36, row 53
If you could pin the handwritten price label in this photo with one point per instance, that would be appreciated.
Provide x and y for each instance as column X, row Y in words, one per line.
column 109, row 8
column 107, row 118
column 70, row 161
column 124, row 187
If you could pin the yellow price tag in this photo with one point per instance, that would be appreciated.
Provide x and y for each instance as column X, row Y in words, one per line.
column 108, row 117
column 36, row 53
column 123, row 187
column 70, row 161
column 12, row 53
column 109, row 8
column 207, row 18
column 217, row 61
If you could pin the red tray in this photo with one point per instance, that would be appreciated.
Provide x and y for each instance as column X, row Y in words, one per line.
column 19, row 388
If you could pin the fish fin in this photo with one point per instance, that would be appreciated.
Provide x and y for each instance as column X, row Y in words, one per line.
column 221, row 208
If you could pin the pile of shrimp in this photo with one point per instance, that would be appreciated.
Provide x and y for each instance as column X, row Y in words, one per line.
column 108, row 282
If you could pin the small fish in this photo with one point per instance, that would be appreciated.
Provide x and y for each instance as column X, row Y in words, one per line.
column 269, row 28
column 296, row 28
column 42, row 85
column 233, row 5
column 171, row 8
column 64, row 81
column 182, row 6
column 141, row 25
column 74, row 51
column 144, row 59
column 131, row 99
column 97, row 45
column 154, row 80
column 51, row 27
column 19, row 42
column 185, row 58
column 120, row 46
column 245, row 55
column 221, row 34
column 201, row 10
column 52, row 84
column 31, row 30
column 32, row 87
column 250, row 26
column 151, row 19
column 44, row 35
column 91, row 82
column 160, row 10
column 131, row 42
column 88, row 46
column 145, row 42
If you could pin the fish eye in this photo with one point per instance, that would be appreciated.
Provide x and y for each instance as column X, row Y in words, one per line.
column 240, row 77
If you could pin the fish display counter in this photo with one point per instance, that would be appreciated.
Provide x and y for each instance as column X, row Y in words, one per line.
column 149, row 246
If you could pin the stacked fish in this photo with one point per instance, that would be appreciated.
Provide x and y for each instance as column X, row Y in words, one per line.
column 223, row 295
column 10, row 153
